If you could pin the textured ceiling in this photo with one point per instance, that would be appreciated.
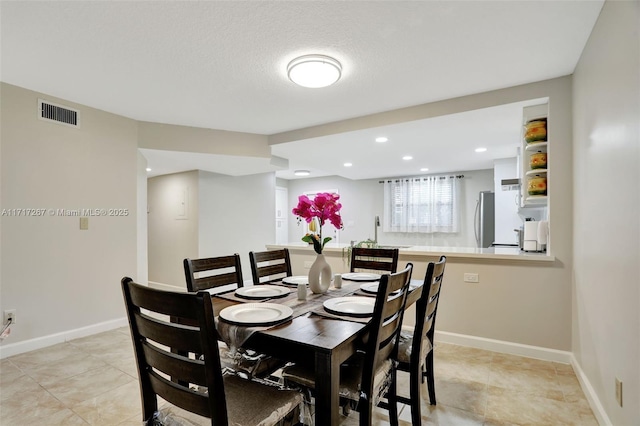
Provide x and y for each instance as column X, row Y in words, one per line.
column 221, row 65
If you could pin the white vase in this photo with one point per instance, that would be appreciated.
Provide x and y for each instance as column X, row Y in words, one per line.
column 320, row 275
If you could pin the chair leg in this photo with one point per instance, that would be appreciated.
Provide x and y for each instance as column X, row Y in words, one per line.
column 392, row 398
column 415, row 381
column 430, row 380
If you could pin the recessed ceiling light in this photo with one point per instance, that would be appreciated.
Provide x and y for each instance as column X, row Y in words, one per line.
column 348, row 164
column 407, row 157
column 148, row 169
column 314, row 71
column 481, row 149
column 302, row 173
column 382, row 139
column 424, row 169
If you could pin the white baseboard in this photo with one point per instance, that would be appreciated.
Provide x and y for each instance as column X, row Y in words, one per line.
column 65, row 336
column 590, row 393
column 502, row 346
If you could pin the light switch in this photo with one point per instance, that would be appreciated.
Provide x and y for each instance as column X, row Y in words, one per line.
column 84, row 223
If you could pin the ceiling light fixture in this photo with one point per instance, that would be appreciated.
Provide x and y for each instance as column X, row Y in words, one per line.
column 148, row 169
column 424, row 169
column 348, row 164
column 302, row 173
column 314, row 71
column 481, row 149
column 382, row 139
column 407, row 157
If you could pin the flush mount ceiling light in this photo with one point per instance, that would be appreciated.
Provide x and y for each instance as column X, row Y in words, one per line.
column 407, row 158
column 148, row 169
column 314, row 71
column 348, row 164
column 424, row 169
column 481, row 149
column 382, row 139
column 302, row 173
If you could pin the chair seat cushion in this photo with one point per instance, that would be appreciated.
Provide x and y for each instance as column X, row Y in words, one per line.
column 248, row 404
column 404, row 348
column 350, row 377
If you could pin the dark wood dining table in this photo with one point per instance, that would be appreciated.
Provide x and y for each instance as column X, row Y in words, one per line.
column 321, row 342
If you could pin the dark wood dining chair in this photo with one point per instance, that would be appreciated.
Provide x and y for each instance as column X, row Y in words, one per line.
column 370, row 374
column 202, row 388
column 213, row 272
column 374, row 259
column 415, row 354
column 222, row 271
column 274, row 264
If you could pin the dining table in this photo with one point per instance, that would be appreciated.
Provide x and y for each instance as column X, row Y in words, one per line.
column 311, row 335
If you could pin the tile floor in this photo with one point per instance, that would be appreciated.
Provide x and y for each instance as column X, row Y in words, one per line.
column 93, row 381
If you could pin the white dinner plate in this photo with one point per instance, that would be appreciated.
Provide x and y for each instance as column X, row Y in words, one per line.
column 351, row 306
column 295, row 280
column 262, row 291
column 360, row 276
column 371, row 288
column 256, row 313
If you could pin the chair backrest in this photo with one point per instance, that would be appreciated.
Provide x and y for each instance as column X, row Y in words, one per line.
column 275, row 264
column 426, row 309
column 385, row 325
column 228, row 268
column 154, row 335
column 374, row 259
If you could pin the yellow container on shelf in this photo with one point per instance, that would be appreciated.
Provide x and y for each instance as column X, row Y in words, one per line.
column 538, row 160
column 537, row 185
column 536, row 130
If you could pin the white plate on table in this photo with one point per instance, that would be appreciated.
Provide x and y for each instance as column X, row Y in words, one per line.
column 256, row 313
column 360, row 276
column 295, row 280
column 371, row 288
column 262, row 291
column 353, row 306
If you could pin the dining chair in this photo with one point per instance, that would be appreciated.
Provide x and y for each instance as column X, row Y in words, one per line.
column 370, row 374
column 374, row 259
column 202, row 387
column 415, row 352
column 274, row 264
column 218, row 272
column 228, row 268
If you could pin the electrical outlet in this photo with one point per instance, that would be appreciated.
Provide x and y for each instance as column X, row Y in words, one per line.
column 471, row 278
column 619, row 391
column 9, row 314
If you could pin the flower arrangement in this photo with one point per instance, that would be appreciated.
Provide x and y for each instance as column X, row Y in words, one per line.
column 324, row 207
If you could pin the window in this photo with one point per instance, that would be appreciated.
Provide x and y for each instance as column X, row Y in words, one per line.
column 427, row 204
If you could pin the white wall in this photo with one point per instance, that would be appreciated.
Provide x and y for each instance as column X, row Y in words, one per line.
column 606, row 295
column 173, row 226
column 362, row 200
column 507, row 202
column 237, row 215
column 60, row 278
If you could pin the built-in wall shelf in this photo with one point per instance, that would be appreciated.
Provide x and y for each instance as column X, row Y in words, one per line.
column 536, row 172
column 540, row 146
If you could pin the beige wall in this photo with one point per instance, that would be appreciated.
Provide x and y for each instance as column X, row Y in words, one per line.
column 56, row 276
column 606, row 290
column 173, row 225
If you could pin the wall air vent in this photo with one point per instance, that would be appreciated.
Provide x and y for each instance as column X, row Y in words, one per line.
column 60, row 114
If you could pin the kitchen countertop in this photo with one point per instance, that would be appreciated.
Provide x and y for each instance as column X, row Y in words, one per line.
column 505, row 253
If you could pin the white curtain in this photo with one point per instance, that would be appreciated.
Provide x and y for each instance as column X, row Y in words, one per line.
column 425, row 204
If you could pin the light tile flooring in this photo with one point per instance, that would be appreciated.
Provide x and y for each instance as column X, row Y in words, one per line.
column 93, row 381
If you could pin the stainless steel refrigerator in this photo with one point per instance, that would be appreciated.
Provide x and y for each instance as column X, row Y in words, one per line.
column 484, row 219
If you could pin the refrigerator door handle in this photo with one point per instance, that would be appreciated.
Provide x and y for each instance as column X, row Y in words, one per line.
column 476, row 223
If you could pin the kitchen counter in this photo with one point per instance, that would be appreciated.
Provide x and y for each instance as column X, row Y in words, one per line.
column 502, row 253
